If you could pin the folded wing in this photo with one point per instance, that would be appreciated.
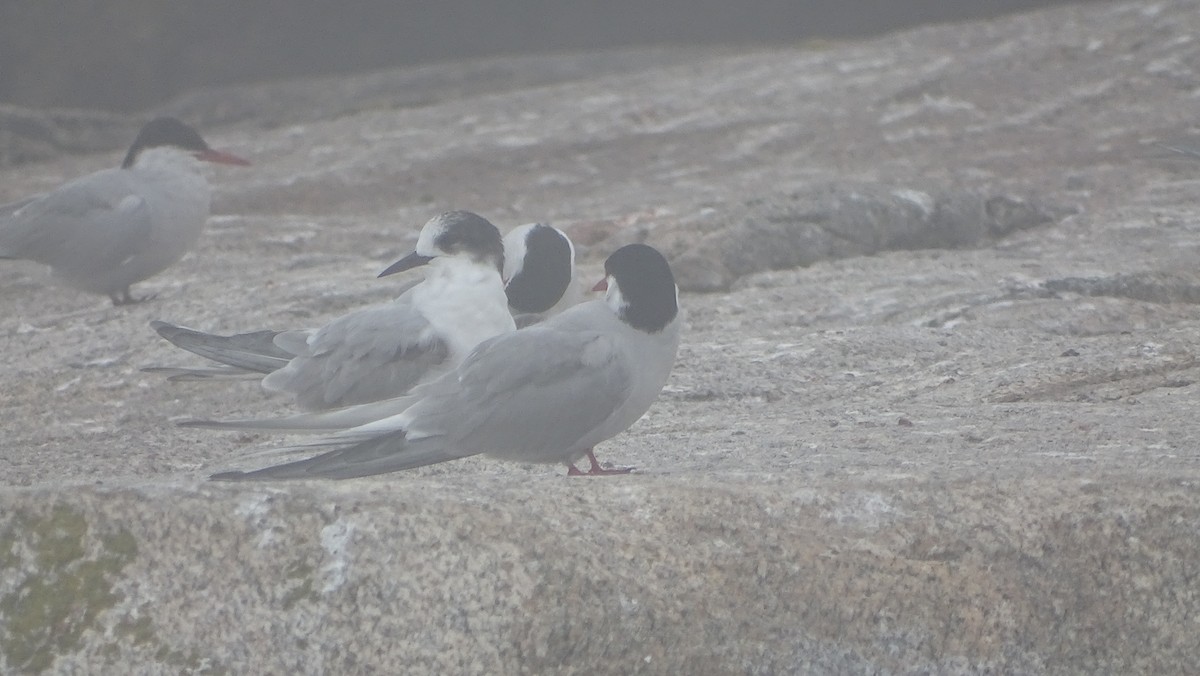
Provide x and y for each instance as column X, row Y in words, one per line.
column 532, row 395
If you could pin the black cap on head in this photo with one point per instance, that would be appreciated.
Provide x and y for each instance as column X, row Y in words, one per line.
column 646, row 285
column 470, row 233
column 164, row 131
column 545, row 271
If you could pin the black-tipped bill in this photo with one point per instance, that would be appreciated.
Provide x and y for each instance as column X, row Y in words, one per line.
column 412, row 260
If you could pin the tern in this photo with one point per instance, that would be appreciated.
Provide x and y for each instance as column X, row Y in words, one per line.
column 385, row 350
column 106, row 231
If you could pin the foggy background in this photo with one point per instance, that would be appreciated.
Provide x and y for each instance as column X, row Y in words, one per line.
column 130, row 55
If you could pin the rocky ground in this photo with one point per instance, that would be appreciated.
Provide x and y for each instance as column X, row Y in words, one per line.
column 932, row 413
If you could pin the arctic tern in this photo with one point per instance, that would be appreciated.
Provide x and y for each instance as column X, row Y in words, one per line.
column 106, row 231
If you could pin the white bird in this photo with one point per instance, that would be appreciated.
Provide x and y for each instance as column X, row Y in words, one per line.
column 381, row 351
column 104, row 232
column 539, row 266
column 547, row 393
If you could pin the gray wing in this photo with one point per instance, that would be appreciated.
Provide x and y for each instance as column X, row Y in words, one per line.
column 328, row 421
column 183, row 374
column 376, row 353
column 378, row 456
column 90, row 222
column 247, row 352
column 531, row 395
column 529, row 398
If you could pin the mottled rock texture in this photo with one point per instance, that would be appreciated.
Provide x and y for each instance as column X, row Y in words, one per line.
column 935, row 414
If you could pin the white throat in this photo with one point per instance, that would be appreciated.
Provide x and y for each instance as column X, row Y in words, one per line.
column 464, row 300
column 167, row 159
column 614, row 298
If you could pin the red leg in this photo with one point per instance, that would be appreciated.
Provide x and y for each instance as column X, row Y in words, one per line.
column 596, row 469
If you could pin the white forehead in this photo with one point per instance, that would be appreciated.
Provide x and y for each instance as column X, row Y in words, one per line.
column 514, row 249
column 426, row 241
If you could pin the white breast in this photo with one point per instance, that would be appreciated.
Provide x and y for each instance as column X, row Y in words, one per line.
column 464, row 302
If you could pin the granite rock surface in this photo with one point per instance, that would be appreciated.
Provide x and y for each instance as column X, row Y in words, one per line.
column 933, row 411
